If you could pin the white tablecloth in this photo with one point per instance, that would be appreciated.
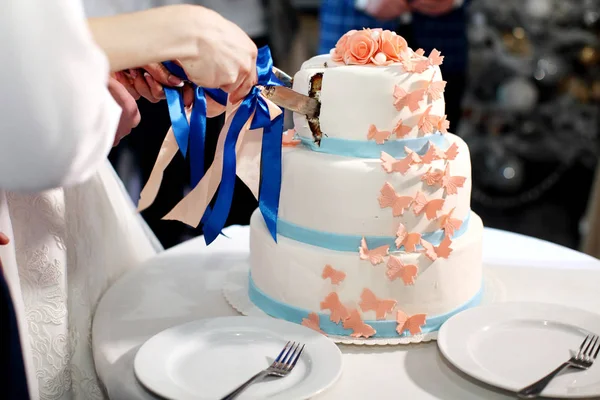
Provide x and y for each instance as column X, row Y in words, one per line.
column 184, row 284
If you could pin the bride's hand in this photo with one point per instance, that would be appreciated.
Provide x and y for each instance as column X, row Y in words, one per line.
column 226, row 56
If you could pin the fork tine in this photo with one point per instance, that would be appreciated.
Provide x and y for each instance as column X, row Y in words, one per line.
column 290, row 355
column 290, row 359
column 580, row 352
column 597, row 351
column 285, row 357
column 593, row 347
column 298, row 356
column 278, row 359
column 589, row 345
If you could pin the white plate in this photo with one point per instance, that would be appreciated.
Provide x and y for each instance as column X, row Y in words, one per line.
column 511, row 345
column 206, row 359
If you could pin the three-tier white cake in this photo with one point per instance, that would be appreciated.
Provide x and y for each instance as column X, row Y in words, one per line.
column 375, row 233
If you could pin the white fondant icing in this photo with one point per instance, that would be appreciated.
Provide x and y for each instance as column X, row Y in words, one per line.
column 355, row 96
column 290, row 272
column 340, row 194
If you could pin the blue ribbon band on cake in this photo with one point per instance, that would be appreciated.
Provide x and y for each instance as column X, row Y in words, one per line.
column 384, row 328
column 342, row 242
column 370, row 149
column 191, row 139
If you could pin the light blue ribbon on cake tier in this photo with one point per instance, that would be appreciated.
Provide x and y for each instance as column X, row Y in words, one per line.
column 370, row 149
column 383, row 328
column 351, row 243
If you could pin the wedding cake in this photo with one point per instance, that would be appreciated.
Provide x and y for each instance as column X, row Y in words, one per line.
column 375, row 236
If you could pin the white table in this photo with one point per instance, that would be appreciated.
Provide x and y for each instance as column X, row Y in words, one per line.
column 184, row 284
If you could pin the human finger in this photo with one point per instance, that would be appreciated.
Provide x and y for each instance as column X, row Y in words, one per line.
column 162, row 75
column 155, row 88
column 4, row 240
column 140, row 84
column 188, row 95
column 126, row 80
column 243, row 89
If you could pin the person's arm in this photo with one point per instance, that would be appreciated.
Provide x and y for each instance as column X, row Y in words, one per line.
column 57, row 117
column 150, row 36
column 213, row 51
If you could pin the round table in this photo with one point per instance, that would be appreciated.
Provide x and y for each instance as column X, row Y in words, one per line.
column 185, row 283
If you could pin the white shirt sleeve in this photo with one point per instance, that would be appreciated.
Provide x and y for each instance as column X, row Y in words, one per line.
column 57, row 117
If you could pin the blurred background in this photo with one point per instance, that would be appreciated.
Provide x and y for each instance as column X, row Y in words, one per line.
column 526, row 99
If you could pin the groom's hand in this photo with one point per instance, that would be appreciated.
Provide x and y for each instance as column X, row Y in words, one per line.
column 130, row 115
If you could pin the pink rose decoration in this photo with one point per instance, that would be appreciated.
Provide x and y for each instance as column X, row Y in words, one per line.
column 376, row 46
column 361, row 48
column 340, row 47
column 392, row 45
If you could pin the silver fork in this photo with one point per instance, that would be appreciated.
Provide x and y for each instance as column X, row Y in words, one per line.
column 282, row 366
column 588, row 351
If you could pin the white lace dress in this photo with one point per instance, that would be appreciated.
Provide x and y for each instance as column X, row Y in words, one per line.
column 71, row 245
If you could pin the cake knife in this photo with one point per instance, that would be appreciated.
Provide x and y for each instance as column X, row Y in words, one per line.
column 289, row 99
column 292, row 100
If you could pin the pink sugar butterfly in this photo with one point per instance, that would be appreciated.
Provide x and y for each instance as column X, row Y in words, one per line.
column 435, row 57
column 401, row 130
column 435, row 89
column 414, row 157
column 375, row 256
column 406, row 239
column 333, row 274
column 420, row 52
column 370, row 302
column 339, row 312
column 449, row 224
column 431, row 207
column 312, row 322
column 397, row 269
column 434, row 252
column 390, row 164
column 427, row 122
column 378, row 136
column 432, row 177
column 452, row 152
column 442, row 124
column 389, row 198
column 416, row 65
column 287, row 139
column 433, row 153
column 412, row 324
column 404, row 99
column 452, row 183
column 359, row 328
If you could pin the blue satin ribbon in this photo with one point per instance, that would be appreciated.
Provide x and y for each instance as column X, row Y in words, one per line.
column 370, row 149
column 192, row 136
column 351, row 243
column 384, row 328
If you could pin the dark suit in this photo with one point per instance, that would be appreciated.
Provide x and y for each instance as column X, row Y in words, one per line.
column 13, row 380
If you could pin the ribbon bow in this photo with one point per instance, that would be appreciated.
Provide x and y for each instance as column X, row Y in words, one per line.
column 253, row 113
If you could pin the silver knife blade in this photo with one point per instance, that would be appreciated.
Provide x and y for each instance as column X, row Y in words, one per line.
column 283, row 77
column 292, row 100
